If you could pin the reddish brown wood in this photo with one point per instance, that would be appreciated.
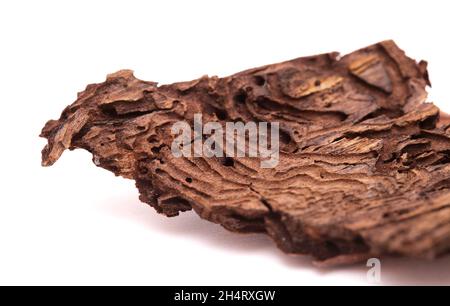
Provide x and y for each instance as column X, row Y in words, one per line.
column 364, row 168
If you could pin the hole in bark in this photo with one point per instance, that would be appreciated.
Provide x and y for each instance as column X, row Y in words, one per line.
column 390, row 159
column 188, row 180
column 338, row 139
column 221, row 114
column 332, row 247
column 156, row 150
column 285, row 138
column 429, row 123
column 259, row 80
column 317, row 83
column 152, row 139
column 287, row 144
column 109, row 110
column 228, row 162
column 240, row 97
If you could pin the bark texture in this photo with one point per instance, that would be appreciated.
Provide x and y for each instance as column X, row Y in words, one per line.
column 364, row 164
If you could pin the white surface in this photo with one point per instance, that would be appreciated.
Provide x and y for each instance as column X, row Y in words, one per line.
column 77, row 224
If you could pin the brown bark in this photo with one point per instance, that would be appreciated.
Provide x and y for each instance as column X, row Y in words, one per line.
column 364, row 164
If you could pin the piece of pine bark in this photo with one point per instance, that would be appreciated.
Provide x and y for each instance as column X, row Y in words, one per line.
column 364, row 164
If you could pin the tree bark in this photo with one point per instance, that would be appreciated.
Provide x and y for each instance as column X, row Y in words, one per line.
column 364, row 163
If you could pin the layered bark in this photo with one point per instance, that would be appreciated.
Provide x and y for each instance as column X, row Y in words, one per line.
column 364, row 164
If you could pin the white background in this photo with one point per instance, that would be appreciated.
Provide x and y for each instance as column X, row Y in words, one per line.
column 75, row 223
